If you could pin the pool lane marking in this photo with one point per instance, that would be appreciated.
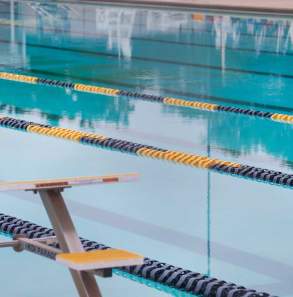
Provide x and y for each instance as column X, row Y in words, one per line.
column 142, row 150
column 170, row 101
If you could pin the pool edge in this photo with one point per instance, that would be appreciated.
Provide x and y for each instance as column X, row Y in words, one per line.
column 185, row 4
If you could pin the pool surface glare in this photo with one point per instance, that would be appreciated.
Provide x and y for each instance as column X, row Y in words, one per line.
column 115, row 70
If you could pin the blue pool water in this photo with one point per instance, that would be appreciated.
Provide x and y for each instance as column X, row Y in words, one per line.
column 230, row 228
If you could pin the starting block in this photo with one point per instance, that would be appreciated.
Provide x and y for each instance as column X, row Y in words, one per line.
column 82, row 265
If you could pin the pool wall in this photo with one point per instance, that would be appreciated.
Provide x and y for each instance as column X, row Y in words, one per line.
column 281, row 6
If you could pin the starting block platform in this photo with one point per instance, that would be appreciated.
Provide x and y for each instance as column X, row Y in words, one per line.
column 35, row 185
column 95, row 260
column 65, row 247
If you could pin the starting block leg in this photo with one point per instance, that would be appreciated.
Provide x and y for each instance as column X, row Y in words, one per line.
column 68, row 239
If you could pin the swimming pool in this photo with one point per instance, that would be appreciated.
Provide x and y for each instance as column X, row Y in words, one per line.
column 227, row 227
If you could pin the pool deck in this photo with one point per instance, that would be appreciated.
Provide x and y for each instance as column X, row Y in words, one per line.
column 272, row 6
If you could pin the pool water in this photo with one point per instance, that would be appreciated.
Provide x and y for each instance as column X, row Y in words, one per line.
column 227, row 227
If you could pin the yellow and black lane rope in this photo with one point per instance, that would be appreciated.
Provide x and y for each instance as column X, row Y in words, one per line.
column 153, row 98
column 259, row 174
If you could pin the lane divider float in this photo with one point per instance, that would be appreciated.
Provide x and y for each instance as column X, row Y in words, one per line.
column 163, row 273
column 193, row 160
column 177, row 102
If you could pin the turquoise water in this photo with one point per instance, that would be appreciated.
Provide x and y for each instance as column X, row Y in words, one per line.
column 230, row 228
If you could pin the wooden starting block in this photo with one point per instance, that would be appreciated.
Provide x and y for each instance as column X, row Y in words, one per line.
column 82, row 265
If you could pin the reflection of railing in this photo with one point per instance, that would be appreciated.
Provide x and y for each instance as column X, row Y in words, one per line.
column 17, row 52
column 119, row 24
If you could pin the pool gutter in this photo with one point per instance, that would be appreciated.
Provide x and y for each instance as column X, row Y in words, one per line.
column 255, row 6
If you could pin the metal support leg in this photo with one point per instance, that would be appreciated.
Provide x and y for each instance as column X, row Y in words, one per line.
column 68, row 239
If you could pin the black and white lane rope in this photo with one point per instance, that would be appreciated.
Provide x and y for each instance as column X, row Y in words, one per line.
column 163, row 273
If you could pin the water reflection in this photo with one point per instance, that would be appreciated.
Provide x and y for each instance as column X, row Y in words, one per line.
column 238, row 140
column 87, row 110
column 121, row 24
column 99, row 44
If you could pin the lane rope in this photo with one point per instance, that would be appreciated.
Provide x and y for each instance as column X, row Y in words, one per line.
column 188, row 159
column 170, row 101
column 163, row 273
